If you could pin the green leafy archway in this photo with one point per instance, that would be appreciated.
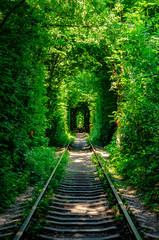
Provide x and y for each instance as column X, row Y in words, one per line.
column 80, row 120
column 63, row 53
column 80, row 112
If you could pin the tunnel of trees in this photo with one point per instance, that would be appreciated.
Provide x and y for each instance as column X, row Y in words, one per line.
column 89, row 61
column 80, row 113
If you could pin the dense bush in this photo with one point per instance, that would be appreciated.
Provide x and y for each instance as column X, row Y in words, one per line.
column 134, row 151
column 24, row 101
column 39, row 162
column 139, row 169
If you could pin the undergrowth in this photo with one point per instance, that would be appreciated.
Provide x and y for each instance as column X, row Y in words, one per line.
column 36, row 167
column 139, row 170
column 112, row 202
column 38, row 221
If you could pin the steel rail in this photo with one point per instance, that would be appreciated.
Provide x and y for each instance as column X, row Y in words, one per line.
column 122, row 207
column 25, row 224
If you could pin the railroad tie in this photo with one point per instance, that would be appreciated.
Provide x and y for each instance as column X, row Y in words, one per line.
column 79, row 209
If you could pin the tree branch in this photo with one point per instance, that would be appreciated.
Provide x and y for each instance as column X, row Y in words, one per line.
column 69, row 26
column 10, row 12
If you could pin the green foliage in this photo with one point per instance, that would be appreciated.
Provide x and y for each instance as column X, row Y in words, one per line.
column 138, row 169
column 134, row 151
column 103, row 126
column 38, row 221
column 40, row 162
column 23, row 100
column 38, row 165
column 61, row 55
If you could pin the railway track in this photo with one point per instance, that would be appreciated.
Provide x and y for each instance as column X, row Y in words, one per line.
column 79, row 209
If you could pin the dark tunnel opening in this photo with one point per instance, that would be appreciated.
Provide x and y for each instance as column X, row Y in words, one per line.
column 80, row 118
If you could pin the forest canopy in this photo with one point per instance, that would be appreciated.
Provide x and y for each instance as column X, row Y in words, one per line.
column 57, row 56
